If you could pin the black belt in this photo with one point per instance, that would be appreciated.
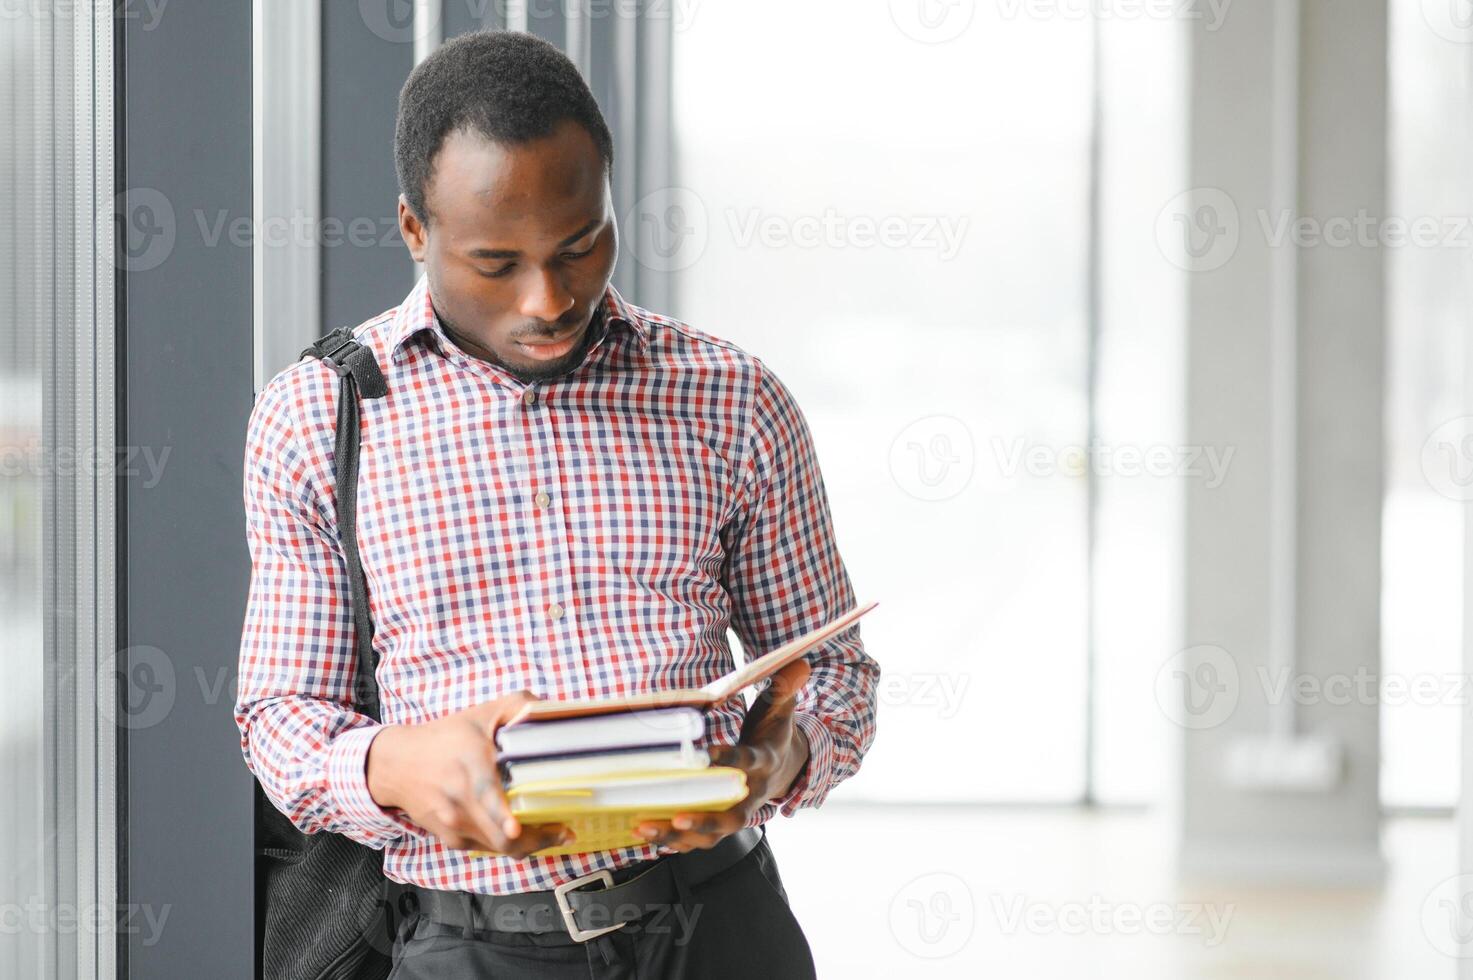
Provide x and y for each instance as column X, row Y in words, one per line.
column 627, row 895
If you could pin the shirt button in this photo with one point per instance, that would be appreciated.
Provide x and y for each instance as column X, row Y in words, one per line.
column 529, row 397
column 555, row 611
column 543, row 499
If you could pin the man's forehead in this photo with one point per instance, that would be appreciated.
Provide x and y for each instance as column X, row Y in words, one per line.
column 563, row 170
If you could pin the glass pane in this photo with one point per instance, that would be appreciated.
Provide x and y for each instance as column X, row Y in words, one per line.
column 24, row 282
column 894, row 219
column 57, row 852
column 1139, row 405
column 1427, row 310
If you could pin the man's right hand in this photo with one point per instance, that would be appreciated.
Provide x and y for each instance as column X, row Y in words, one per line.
column 443, row 775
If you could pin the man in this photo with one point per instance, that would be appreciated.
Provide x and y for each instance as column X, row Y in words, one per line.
column 561, row 496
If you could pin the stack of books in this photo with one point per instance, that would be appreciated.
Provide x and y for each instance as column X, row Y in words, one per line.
column 596, row 772
column 603, row 766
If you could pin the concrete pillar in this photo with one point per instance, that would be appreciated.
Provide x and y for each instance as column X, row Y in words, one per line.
column 1284, row 368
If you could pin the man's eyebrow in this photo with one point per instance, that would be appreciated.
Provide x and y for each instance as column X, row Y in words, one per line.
column 508, row 253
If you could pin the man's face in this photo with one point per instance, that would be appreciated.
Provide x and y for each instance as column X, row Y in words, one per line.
column 519, row 247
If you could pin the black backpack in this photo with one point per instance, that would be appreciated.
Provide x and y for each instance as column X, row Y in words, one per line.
column 325, row 909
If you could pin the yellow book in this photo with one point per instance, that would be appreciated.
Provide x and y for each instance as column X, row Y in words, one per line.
column 604, row 810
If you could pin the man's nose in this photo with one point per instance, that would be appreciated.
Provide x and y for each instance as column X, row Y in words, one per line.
column 545, row 298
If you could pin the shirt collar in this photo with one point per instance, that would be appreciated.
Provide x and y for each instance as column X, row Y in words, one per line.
column 417, row 314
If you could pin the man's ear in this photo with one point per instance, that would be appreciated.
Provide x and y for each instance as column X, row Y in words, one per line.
column 412, row 230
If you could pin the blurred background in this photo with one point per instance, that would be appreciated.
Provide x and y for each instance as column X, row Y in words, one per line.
column 1131, row 334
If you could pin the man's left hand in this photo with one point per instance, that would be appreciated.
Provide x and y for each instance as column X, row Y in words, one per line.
column 771, row 751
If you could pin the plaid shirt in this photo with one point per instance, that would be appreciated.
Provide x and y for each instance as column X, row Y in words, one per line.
column 587, row 536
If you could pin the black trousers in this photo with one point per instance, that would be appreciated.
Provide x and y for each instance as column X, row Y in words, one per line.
column 736, row 924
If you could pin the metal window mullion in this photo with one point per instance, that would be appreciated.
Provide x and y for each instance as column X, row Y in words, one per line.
column 55, row 313
column 104, row 478
column 1094, row 326
column 93, row 511
column 429, row 27
column 35, row 58
column 80, row 558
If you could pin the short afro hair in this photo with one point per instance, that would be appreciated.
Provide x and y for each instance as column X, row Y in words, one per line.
column 508, row 86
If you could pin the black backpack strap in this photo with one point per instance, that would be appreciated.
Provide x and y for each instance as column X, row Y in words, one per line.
column 361, row 377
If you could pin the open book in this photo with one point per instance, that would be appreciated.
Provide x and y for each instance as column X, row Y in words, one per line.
column 712, row 694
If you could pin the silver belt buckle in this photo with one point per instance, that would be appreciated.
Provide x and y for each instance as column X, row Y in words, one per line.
column 560, row 895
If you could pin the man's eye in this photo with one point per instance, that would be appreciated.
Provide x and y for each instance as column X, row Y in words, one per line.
column 578, row 255
column 498, row 273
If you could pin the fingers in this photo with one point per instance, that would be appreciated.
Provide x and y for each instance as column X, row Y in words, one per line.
column 787, row 682
column 491, row 715
column 479, row 815
column 692, row 831
column 493, row 792
column 780, row 696
column 742, row 756
column 466, row 824
column 533, row 839
column 515, row 839
column 488, row 807
column 488, row 804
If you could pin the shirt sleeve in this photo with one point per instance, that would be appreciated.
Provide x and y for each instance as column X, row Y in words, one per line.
column 299, row 734
column 786, row 578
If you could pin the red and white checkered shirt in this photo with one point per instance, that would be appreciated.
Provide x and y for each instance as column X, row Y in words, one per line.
column 587, row 536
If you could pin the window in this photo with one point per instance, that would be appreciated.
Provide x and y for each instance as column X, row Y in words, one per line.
column 916, row 272
column 57, row 855
column 1427, row 311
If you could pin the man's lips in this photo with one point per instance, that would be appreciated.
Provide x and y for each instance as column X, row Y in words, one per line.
column 544, row 350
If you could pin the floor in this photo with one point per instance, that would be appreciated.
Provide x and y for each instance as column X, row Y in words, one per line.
column 1005, row 893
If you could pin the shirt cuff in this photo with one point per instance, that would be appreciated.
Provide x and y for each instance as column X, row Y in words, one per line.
column 347, row 783
column 816, row 779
